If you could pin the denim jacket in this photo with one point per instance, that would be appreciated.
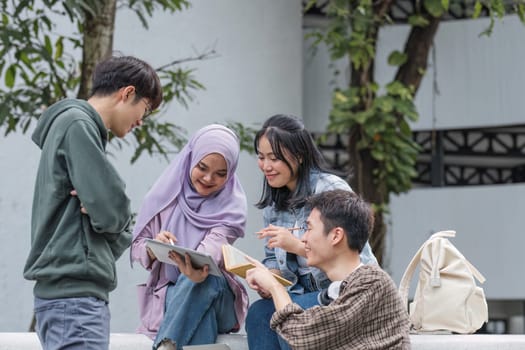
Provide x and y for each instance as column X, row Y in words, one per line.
column 288, row 263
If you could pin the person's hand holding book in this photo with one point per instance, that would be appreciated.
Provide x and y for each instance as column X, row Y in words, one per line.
column 261, row 279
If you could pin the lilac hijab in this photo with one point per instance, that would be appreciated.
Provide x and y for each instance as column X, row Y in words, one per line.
column 194, row 215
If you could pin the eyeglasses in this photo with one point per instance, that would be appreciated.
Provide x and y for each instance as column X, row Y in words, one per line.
column 148, row 111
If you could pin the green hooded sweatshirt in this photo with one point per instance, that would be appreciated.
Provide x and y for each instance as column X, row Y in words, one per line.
column 73, row 254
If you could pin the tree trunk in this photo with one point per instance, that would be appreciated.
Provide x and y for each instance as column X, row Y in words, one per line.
column 362, row 182
column 417, row 48
column 97, row 42
column 362, row 163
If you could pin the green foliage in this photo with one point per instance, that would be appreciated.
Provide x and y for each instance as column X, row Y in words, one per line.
column 36, row 71
column 496, row 9
column 153, row 137
column 397, row 58
column 38, row 66
column 246, row 135
column 435, row 7
column 520, row 10
column 146, row 7
column 383, row 130
column 417, row 20
column 349, row 31
column 178, row 84
column 381, row 121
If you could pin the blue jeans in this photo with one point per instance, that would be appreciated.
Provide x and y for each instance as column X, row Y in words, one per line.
column 260, row 335
column 72, row 323
column 195, row 313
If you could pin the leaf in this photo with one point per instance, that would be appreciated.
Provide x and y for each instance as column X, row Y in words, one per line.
column 397, row 58
column 498, row 7
column 4, row 112
column 340, row 97
column 59, row 47
column 47, row 45
column 417, row 21
column 10, row 75
column 377, row 155
column 361, row 117
column 309, row 4
column 384, row 104
column 404, row 127
column 25, row 59
column 60, row 64
column 434, row 7
column 395, row 88
column 477, row 9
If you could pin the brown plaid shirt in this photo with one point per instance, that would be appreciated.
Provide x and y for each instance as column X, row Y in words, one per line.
column 368, row 314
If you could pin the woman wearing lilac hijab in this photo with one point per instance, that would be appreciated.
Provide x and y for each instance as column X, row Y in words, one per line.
column 198, row 203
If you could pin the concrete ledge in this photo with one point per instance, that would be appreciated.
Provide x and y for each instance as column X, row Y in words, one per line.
column 129, row 341
column 117, row 341
column 468, row 342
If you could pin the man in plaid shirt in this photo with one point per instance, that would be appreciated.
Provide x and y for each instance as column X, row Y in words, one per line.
column 361, row 309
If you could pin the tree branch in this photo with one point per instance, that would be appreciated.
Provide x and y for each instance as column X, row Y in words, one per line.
column 209, row 54
column 417, row 49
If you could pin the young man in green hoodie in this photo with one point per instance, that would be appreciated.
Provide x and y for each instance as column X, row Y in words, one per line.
column 81, row 213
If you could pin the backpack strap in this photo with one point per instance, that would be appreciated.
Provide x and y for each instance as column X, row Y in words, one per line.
column 444, row 234
column 473, row 270
column 404, row 285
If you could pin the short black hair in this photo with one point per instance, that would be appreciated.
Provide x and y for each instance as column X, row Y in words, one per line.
column 345, row 209
column 120, row 71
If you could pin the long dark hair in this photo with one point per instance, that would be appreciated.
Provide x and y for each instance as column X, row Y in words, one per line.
column 287, row 135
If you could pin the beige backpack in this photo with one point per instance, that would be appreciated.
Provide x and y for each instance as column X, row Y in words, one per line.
column 447, row 298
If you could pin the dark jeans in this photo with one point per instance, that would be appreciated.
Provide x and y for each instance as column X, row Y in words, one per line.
column 260, row 335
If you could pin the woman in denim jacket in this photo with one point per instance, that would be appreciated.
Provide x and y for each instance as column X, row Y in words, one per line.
column 294, row 169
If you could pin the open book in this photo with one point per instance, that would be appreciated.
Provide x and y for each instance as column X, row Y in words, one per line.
column 235, row 261
column 198, row 259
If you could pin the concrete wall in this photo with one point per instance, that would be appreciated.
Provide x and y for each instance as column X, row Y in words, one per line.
column 479, row 78
column 488, row 221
